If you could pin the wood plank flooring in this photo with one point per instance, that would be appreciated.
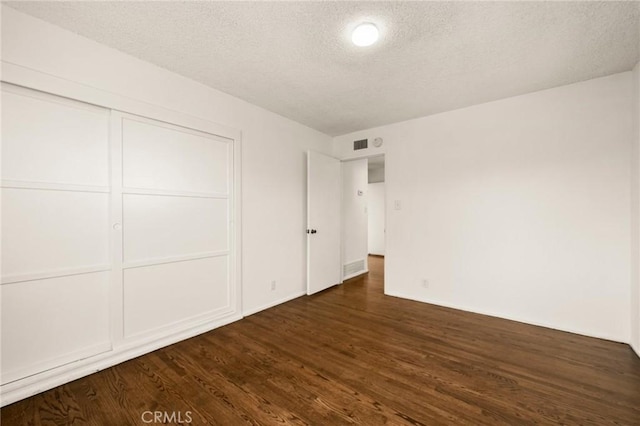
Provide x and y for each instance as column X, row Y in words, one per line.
column 351, row 355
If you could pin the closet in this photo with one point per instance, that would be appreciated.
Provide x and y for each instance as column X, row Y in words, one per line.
column 118, row 234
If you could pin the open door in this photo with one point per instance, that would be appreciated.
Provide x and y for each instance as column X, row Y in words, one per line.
column 323, row 222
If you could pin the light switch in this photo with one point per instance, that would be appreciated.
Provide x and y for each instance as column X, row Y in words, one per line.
column 397, row 205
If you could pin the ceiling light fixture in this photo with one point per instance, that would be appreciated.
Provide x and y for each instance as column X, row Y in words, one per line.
column 365, row 34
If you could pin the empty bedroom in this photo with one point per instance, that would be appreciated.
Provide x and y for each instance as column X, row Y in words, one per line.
column 320, row 213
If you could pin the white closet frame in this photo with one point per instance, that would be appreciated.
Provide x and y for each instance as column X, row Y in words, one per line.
column 124, row 349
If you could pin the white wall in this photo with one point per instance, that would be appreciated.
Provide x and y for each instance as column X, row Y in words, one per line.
column 635, row 215
column 273, row 147
column 354, row 215
column 376, row 174
column 375, row 208
column 518, row 208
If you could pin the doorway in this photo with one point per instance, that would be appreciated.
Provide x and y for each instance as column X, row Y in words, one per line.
column 338, row 205
column 363, row 214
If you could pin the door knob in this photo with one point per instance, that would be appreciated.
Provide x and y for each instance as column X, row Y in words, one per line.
column 117, row 226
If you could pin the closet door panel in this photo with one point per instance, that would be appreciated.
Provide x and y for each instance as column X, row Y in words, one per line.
column 164, row 157
column 55, row 228
column 51, row 322
column 54, row 140
column 176, row 226
column 49, row 233
column 163, row 295
column 159, row 227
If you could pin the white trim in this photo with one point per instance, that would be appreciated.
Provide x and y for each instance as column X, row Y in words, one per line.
column 50, row 364
column 181, row 324
column 52, row 186
column 355, row 274
column 26, row 77
column 274, row 303
column 48, row 97
column 182, row 128
column 54, row 273
column 32, row 385
column 173, row 193
column 308, row 225
column 342, row 226
column 501, row 316
column 235, row 214
column 173, row 259
column 116, row 233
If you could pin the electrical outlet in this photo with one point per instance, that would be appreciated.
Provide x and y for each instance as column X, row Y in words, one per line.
column 273, row 285
column 425, row 283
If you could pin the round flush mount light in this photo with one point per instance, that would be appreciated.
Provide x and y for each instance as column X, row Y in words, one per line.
column 365, row 34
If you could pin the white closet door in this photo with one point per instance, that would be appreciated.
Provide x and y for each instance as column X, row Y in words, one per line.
column 176, row 194
column 55, row 232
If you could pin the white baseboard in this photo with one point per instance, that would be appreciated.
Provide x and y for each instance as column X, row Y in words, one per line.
column 274, row 303
column 24, row 388
column 507, row 317
column 636, row 348
column 356, row 274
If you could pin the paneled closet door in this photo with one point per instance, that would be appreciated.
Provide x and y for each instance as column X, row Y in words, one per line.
column 175, row 190
column 55, row 232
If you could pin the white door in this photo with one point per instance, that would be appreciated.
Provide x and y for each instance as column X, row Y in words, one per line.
column 323, row 222
column 55, row 232
column 115, row 230
column 176, row 225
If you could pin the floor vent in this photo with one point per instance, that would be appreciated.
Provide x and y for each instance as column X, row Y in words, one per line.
column 353, row 268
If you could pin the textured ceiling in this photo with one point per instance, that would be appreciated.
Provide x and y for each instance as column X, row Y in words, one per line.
column 295, row 58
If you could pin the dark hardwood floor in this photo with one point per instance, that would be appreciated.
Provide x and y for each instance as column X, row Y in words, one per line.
column 352, row 355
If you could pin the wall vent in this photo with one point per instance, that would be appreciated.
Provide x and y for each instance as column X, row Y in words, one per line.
column 361, row 144
column 353, row 268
